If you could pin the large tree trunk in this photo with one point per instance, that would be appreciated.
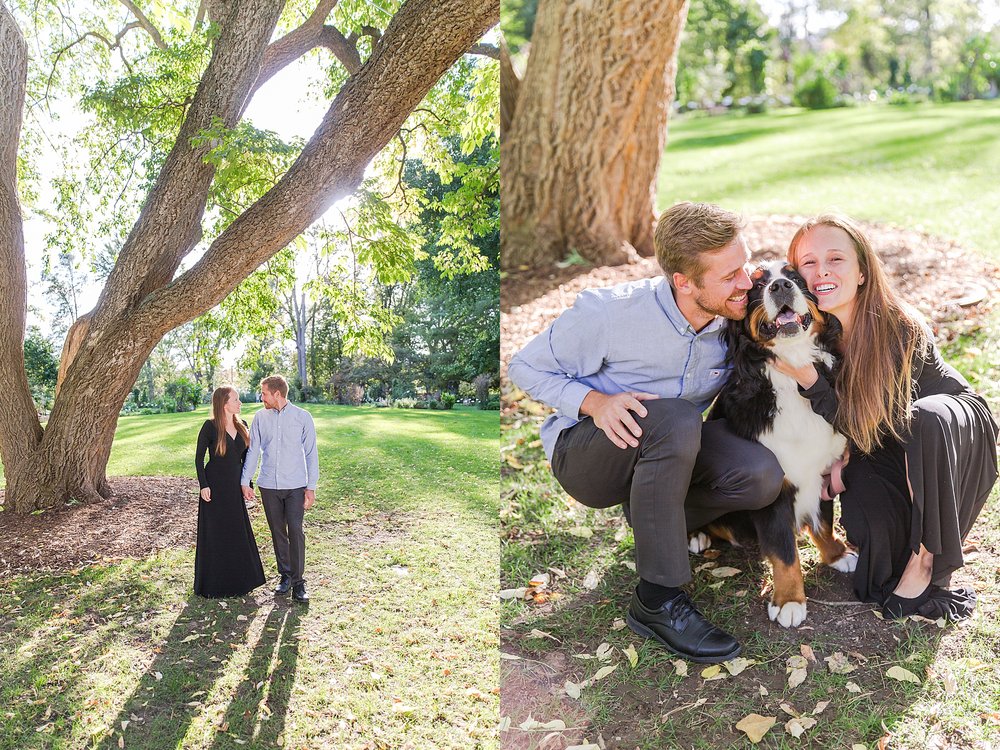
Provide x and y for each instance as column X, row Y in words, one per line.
column 141, row 300
column 579, row 161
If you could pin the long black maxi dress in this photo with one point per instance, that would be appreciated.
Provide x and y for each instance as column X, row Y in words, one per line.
column 226, row 560
column 951, row 455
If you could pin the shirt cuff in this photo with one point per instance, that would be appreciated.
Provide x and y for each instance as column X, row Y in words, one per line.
column 572, row 399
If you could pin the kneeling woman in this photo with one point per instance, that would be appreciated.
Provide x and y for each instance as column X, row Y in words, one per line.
column 226, row 561
column 923, row 445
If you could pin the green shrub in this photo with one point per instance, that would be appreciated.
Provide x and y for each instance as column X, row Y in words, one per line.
column 405, row 403
column 447, row 400
column 817, row 93
column 492, row 405
column 432, row 404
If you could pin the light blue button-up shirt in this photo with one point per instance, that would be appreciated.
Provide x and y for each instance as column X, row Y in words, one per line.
column 631, row 337
column 287, row 440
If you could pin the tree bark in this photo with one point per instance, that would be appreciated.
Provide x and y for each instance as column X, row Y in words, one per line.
column 580, row 159
column 140, row 302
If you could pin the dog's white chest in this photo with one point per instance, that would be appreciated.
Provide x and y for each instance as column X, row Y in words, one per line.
column 805, row 444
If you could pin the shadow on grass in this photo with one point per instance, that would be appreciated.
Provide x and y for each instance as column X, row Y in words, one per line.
column 193, row 658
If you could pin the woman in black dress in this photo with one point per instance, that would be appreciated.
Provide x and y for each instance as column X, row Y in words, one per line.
column 923, row 445
column 226, row 561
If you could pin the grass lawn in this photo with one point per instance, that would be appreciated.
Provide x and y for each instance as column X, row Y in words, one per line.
column 924, row 166
column 398, row 647
column 928, row 166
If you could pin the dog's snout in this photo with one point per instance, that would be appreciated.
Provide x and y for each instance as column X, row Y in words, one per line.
column 779, row 284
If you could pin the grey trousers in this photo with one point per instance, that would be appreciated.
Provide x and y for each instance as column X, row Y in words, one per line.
column 685, row 474
column 284, row 510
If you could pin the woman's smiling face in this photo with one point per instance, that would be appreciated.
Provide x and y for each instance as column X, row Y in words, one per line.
column 828, row 261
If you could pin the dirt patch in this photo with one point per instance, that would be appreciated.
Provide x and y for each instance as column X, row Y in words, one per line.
column 145, row 514
column 935, row 275
column 533, row 689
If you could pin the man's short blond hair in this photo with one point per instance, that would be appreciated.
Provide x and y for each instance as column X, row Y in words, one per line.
column 686, row 231
column 275, row 384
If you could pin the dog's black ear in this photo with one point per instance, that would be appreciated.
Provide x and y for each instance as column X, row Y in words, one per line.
column 829, row 338
column 733, row 334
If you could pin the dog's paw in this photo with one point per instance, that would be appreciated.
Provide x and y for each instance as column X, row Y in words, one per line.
column 846, row 563
column 788, row 615
column 698, row 543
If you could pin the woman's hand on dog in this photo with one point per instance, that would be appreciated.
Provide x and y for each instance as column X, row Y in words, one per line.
column 612, row 415
column 806, row 376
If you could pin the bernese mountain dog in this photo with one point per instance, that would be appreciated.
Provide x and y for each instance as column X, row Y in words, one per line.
column 764, row 405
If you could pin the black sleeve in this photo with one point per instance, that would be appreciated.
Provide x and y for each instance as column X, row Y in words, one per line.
column 822, row 398
column 205, row 439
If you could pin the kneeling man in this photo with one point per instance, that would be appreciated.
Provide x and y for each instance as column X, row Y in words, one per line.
column 629, row 371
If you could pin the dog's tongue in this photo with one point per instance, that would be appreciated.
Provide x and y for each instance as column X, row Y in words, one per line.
column 785, row 317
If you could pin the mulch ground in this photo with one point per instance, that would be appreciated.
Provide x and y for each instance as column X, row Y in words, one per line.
column 145, row 514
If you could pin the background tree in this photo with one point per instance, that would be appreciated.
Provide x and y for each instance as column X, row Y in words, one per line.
column 182, row 98
column 580, row 155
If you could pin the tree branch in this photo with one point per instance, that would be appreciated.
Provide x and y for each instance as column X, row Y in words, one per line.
column 145, row 23
column 311, row 34
column 423, row 40
column 486, row 50
column 170, row 222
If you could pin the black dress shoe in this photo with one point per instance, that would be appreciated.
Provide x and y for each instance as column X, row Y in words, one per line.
column 682, row 629
column 299, row 593
column 284, row 585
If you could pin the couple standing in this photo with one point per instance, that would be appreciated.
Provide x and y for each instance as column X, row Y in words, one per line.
column 630, row 370
column 227, row 562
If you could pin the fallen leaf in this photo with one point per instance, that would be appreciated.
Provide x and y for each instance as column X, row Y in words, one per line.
column 797, row 727
column 858, row 747
column 603, row 672
column 789, row 709
column 125, row 725
column 820, row 708
column 853, row 687
column 633, row 657
column 513, row 593
column 591, row 580
column 737, row 665
column 756, row 726
column 705, row 566
column 725, row 572
column 618, row 624
column 538, row 580
column 583, row 656
column 796, row 662
column 604, row 651
column 158, row 675
column 762, row 690
column 807, row 652
column 950, row 683
column 510, row 657
column 535, row 633
column 584, row 532
column 711, row 554
column 588, row 746
column 903, row 675
column 403, row 709
column 681, row 667
column 796, row 677
column 121, row 742
column 839, row 664
column 713, row 672
column 573, row 690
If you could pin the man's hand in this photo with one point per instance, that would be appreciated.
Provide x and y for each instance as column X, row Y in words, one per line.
column 806, row 376
column 206, row 495
column 612, row 415
column 248, row 495
column 310, row 499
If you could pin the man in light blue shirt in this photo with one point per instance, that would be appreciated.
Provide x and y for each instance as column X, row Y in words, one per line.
column 285, row 436
column 629, row 371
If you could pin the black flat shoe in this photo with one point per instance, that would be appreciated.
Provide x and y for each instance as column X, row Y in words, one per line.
column 284, row 585
column 895, row 606
column 680, row 627
column 299, row 593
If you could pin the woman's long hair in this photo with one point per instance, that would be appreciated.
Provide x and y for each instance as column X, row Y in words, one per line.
column 875, row 383
column 219, row 399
